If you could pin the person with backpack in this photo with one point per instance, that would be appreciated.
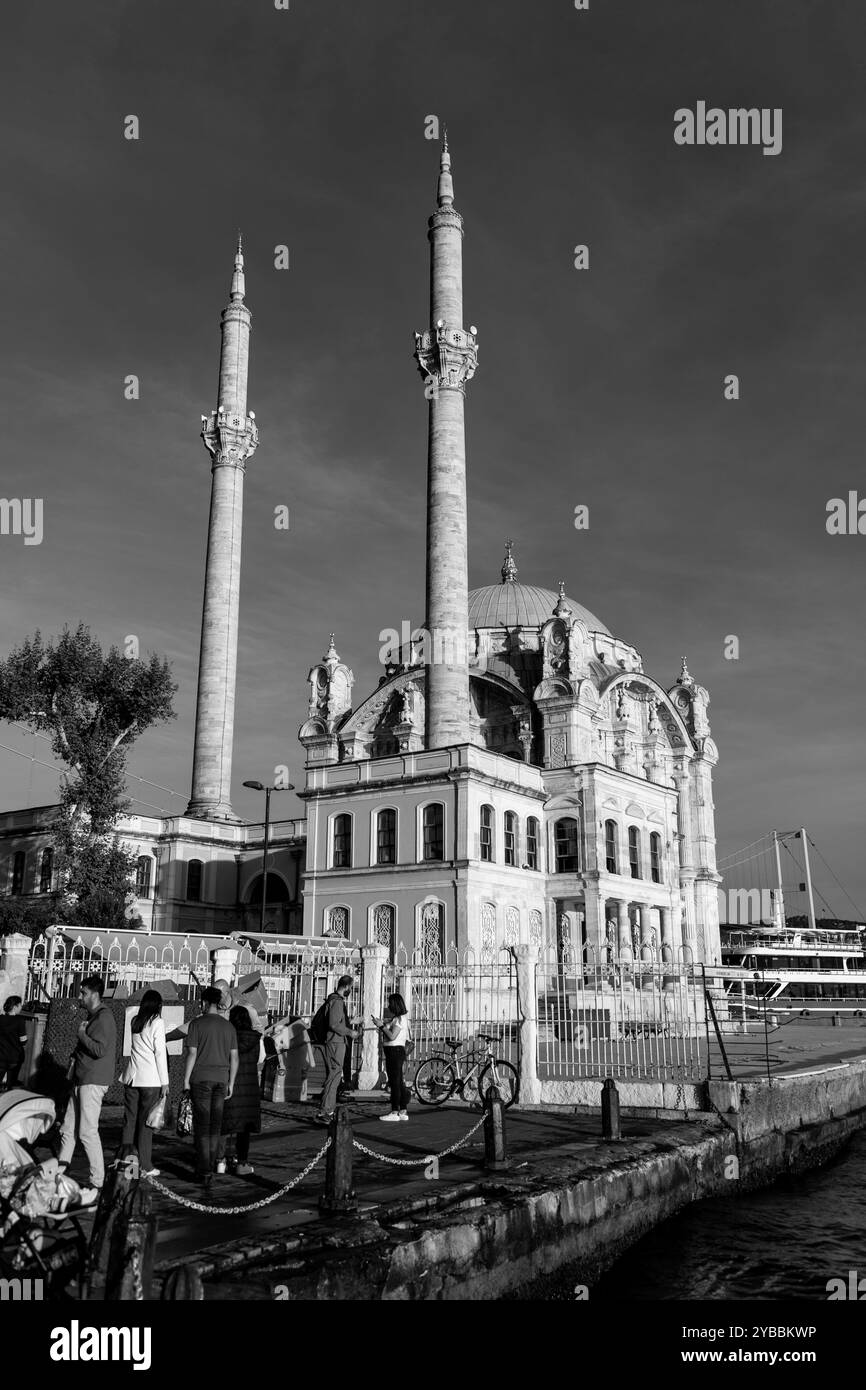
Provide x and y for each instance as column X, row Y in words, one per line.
column 242, row 1113
column 396, row 1036
column 330, row 1028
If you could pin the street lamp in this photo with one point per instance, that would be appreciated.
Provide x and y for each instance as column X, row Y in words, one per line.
column 260, row 787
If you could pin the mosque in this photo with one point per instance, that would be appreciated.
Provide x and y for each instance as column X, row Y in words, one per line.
column 515, row 777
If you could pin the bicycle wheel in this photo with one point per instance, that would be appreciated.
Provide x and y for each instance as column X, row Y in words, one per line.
column 503, row 1076
column 435, row 1081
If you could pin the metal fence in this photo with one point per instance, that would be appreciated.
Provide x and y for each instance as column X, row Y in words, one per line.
column 299, row 976
column 627, row 1016
column 457, row 998
column 57, row 965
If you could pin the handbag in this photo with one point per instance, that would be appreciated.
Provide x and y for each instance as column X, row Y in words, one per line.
column 158, row 1114
column 184, row 1117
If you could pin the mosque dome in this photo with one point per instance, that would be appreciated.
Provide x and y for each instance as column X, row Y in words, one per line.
column 510, row 604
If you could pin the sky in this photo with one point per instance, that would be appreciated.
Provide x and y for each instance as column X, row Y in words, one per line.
column 601, row 387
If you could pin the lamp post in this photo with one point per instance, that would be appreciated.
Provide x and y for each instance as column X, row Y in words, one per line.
column 260, row 787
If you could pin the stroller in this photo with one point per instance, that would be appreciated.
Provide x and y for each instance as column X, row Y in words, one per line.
column 40, row 1235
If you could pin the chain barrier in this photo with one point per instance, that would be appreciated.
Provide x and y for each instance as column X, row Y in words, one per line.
column 251, row 1206
column 138, row 1286
column 419, row 1162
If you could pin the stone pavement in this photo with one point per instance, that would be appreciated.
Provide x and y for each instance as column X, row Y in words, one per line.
column 291, row 1137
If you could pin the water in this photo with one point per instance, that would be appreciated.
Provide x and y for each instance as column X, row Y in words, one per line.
column 783, row 1242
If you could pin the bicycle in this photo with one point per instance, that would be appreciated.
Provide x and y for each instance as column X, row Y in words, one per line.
column 438, row 1078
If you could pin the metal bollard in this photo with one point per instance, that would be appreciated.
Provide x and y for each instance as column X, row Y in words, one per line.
column 495, row 1152
column 610, row 1125
column 834, row 1019
column 339, row 1195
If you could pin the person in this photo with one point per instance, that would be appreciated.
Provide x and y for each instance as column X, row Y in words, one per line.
column 335, row 1046
column 395, row 1033
column 347, row 1086
column 145, row 1079
column 12, row 1040
column 209, row 1077
column 242, row 1113
column 92, row 1068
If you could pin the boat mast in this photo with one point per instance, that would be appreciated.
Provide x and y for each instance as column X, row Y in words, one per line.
column 808, row 878
column 779, row 914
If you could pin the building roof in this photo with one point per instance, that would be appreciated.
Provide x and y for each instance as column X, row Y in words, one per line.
column 526, row 605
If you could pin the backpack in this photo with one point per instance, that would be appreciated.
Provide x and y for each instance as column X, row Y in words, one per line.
column 318, row 1030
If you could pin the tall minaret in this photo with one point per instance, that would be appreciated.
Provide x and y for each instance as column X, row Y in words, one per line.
column 447, row 357
column 230, row 436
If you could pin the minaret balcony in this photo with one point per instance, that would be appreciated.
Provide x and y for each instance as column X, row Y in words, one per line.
column 448, row 356
column 228, row 437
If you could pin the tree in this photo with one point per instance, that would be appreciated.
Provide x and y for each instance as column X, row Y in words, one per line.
column 95, row 705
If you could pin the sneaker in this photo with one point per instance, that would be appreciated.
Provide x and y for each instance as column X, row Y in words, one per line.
column 402, row 1115
column 243, row 1169
column 89, row 1196
column 392, row 1116
column 324, row 1117
column 150, row 1172
column 221, row 1165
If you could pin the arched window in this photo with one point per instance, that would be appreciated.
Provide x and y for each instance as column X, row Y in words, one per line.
column 610, row 854
column 566, row 846
column 194, row 872
column 337, row 919
column 386, row 837
column 532, row 843
column 634, row 851
column 510, row 837
column 46, row 870
column 487, row 834
column 385, row 928
column 142, row 875
column 488, row 933
column 432, row 941
column 342, row 854
column 433, row 832
column 18, row 864
column 656, row 856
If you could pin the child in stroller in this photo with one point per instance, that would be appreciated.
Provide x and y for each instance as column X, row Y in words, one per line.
column 39, row 1234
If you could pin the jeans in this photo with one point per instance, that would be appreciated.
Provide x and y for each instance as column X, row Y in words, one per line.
column 395, row 1060
column 138, row 1102
column 81, row 1121
column 335, row 1053
column 208, row 1099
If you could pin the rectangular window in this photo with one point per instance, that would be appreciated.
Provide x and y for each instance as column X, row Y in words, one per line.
column 342, row 842
column 532, row 843
column 193, row 881
column 610, row 846
column 656, row 858
column 46, row 870
column 565, row 845
column 634, row 851
column 487, row 834
column 510, row 838
column 434, row 832
column 386, row 837
column 18, row 872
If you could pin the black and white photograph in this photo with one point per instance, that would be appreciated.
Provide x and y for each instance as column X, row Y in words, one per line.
column 432, row 545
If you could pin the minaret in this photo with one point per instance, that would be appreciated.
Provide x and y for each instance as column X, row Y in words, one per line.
column 230, row 437
column 447, row 357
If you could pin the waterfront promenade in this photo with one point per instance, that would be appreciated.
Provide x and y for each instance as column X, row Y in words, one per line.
column 564, row 1186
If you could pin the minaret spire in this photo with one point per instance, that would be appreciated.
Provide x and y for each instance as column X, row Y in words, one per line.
column 447, row 357
column 230, row 436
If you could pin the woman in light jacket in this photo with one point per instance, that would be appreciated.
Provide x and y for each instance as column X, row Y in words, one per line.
column 146, row 1079
column 395, row 1032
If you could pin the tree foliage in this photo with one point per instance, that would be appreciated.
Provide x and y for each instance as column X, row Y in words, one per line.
column 94, row 705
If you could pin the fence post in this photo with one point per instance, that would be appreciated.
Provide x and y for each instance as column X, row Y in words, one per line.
column 495, row 1151
column 225, row 959
column 338, row 1195
column 610, row 1125
column 527, row 1005
column 14, row 959
column 374, row 959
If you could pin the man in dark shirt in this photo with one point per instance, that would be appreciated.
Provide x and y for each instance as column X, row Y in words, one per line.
column 93, row 1067
column 209, row 1076
column 339, row 1033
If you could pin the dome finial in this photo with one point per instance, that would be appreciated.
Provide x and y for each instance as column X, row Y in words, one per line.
column 238, row 287
column 509, row 569
column 562, row 609
column 685, row 677
column 445, row 193
column 331, row 656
